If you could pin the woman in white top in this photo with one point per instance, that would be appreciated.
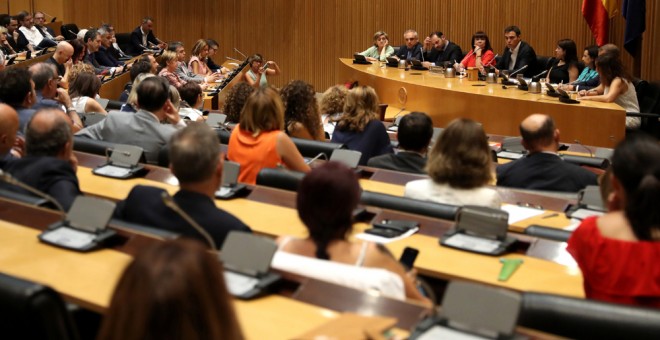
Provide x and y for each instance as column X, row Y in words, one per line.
column 460, row 168
column 615, row 86
column 326, row 199
column 83, row 91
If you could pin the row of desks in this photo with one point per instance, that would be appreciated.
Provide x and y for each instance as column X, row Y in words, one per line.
column 278, row 216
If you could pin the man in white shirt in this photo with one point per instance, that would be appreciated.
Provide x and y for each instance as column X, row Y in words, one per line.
column 31, row 33
column 39, row 20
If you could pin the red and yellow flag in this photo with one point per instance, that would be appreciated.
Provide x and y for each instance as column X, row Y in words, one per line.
column 598, row 13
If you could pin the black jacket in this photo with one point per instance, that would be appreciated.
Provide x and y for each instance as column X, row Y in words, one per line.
column 526, row 56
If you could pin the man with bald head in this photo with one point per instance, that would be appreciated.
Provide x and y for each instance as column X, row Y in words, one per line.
column 8, row 129
column 49, row 164
column 62, row 58
column 542, row 168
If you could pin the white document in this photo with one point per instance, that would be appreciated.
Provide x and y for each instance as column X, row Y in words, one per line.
column 518, row 213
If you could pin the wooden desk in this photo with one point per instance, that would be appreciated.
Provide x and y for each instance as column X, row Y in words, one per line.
column 30, row 62
column 499, row 110
column 89, row 280
column 215, row 102
column 113, row 88
column 440, row 262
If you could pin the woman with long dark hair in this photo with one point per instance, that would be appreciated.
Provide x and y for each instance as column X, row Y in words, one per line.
column 481, row 54
column 565, row 68
column 301, row 111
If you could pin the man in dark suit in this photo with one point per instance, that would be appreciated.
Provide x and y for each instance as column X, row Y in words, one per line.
column 438, row 49
column 103, row 55
column 196, row 161
column 517, row 54
column 15, row 38
column 542, row 168
column 414, row 134
column 17, row 91
column 143, row 36
column 39, row 20
column 49, row 164
column 412, row 49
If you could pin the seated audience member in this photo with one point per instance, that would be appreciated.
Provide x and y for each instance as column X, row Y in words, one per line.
column 152, row 60
column 103, row 55
column 459, row 165
column 17, row 91
column 412, row 49
column 615, row 86
column 182, row 69
column 213, row 48
column 92, row 42
column 114, row 48
column 31, row 33
column 8, row 130
column 439, row 50
column 49, row 164
column 83, row 92
column 197, row 63
column 301, row 112
column 359, row 128
column 78, row 69
column 79, row 51
column 414, row 134
column 481, row 54
column 192, row 100
column 517, row 54
column 6, row 50
column 138, row 67
column 258, row 73
column 332, row 107
column 235, row 101
column 565, row 68
column 143, row 128
column 15, row 38
column 131, row 104
column 617, row 253
column 170, row 62
column 49, row 95
column 62, row 61
column 258, row 141
column 381, row 48
column 612, row 49
column 171, row 290
column 196, row 161
column 588, row 78
column 143, row 37
column 542, row 168
column 39, row 18
column 326, row 199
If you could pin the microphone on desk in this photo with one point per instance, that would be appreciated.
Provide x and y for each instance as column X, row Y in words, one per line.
column 9, row 179
column 169, row 202
column 518, row 70
column 540, row 74
column 492, row 60
column 320, row 155
column 72, row 32
column 239, row 52
column 234, row 59
column 576, row 141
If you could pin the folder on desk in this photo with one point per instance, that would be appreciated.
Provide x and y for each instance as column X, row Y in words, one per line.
column 360, row 59
column 247, row 259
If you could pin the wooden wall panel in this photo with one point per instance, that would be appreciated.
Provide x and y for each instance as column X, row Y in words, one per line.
column 306, row 37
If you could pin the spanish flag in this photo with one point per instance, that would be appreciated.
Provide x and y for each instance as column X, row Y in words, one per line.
column 598, row 13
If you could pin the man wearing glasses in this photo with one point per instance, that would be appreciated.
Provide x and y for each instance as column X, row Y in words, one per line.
column 45, row 80
column 39, row 20
column 412, row 49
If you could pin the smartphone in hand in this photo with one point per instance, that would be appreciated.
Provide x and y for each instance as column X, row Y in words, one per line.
column 408, row 257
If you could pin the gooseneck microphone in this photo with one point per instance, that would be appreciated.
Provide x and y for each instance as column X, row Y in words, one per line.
column 540, row 74
column 234, row 59
column 169, row 202
column 239, row 52
column 518, row 70
column 320, row 155
column 9, row 179
column 591, row 154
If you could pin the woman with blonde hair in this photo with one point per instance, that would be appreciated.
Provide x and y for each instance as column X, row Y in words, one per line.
column 380, row 49
column 170, row 61
column 332, row 107
column 460, row 168
column 171, row 290
column 258, row 141
column 359, row 128
column 197, row 63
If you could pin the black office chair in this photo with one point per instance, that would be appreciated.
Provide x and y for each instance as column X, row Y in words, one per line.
column 124, row 41
column 87, row 145
column 587, row 319
column 648, row 96
column 409, row 205
column 69, row 31
column 280, row 178
column 549, row 233
column 31, row 311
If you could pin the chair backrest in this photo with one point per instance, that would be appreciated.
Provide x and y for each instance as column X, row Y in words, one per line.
column 641, row 86
column 32, row 311
column 587, row 319
column 409, row 205
column 91, row 118
column 69, row 31
column 311, row 148
column 280, row 178
column 88, row 145
column 543, row 62
column 362, row 278
column 124, row 41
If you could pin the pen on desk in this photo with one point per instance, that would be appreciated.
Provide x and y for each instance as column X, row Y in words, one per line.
column 550, row 216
